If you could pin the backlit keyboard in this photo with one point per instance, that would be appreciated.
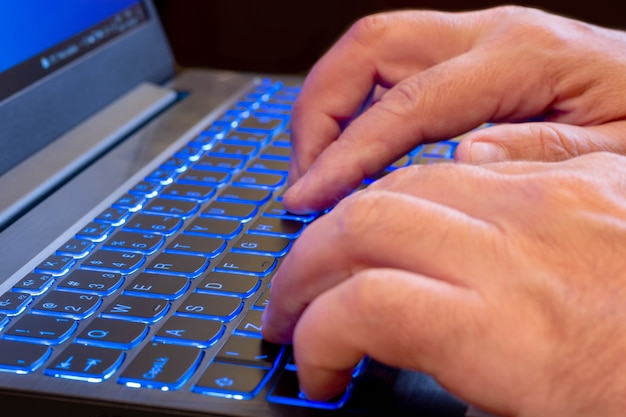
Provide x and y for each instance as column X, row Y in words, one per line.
column 165, row 288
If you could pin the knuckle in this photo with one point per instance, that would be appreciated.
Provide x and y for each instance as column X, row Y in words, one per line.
column 369, row 28
column 357, row 215
column 554, row 144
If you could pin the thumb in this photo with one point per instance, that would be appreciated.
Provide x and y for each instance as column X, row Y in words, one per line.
column 541, row 141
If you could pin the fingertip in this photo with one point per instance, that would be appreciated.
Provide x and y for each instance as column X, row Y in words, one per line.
column 482, row 147
column 322, row 385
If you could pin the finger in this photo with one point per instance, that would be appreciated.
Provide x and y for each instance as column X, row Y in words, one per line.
column 383, row 48
column 413, row 111
column 398, row 318
column 358, row 235
column 541, row 141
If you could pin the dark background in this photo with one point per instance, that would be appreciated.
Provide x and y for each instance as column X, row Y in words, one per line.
column 287, row 36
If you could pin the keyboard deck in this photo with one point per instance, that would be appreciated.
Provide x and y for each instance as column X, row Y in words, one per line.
column 165, row 288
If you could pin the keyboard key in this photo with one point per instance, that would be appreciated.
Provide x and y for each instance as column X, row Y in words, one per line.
column 87, row 363
column 22, row 358
column 192, row 192
column 239, row 138
column 252, row 351
column 286, row 391
column 214, row 227
column 197, row 245
column 210, row 306
column 169, row 287
column 13, row 303
column 144, row 243
column 34, row 284
column 76, row 248
column 231, row 381
column 277, row 209
column 222, row 283
column 171, row 207
column 243, row 263
column 47, row 330
column 226, row 150
column 259, row 179
column 148, row 223
column 95, row 231
column 203, row 176
column 113, row 261
column 269, row 123
column 190, row 331
column 269, row 165
column 67, row 304
column 282, row 153
column 91, row 282
column 56, row 265
column 130, row 202
column 245, row 195
column 176, row 264
column 234, row 211
column 217, row 162
column 161, row 366
column 113, row 216
column 262, row 244
column 250, row 325
column 110, row 333
column 277, row 226
column 141, row 309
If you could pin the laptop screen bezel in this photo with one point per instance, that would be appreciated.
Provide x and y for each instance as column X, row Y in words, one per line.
column 38, row 114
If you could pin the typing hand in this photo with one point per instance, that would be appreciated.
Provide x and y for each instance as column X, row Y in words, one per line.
column 506, row 282
column 439, row 75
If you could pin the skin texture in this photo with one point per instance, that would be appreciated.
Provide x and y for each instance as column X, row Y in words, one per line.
column 443, row 74
column 507, row 266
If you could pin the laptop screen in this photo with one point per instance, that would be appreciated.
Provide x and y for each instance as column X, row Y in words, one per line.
column 41, row 36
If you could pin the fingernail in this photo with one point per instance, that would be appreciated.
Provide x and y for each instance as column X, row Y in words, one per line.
column 485, row 152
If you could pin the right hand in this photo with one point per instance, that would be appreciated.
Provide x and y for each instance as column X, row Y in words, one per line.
column 444, row 74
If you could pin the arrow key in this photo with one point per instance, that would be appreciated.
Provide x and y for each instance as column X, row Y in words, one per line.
column 87, row 363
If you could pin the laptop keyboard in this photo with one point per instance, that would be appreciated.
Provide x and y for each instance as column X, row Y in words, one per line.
column 165, row 288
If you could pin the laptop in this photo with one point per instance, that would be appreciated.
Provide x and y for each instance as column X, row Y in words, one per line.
column 141, row 223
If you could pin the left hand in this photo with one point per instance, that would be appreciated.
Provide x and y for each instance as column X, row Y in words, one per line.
column 505, row 282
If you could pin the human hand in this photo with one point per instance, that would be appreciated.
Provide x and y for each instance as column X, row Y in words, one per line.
column 505, row 282
column 443, row 74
